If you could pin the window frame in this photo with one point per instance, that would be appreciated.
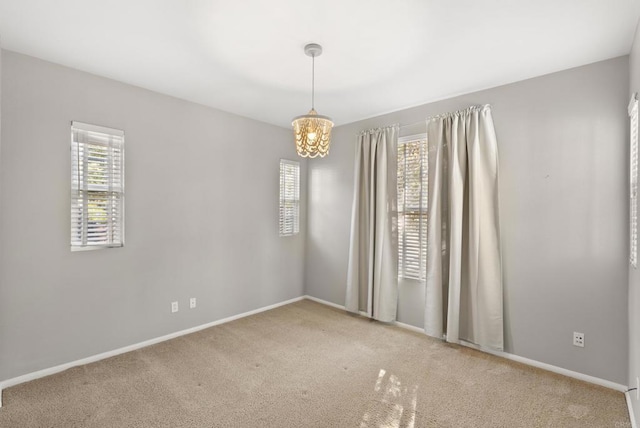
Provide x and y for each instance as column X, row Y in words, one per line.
column 633, row 180
column 422, row 211
column 81, row 191
column 285, row 216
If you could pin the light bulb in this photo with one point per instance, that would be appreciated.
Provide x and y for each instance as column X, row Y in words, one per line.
column 311, row 136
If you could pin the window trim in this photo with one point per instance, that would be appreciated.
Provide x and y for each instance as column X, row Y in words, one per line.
column 633, row 180
column 86, row 127
column 296, row 200
column 425, row 210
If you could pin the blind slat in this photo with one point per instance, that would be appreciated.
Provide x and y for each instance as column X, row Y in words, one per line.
column 97, row 186
column 289, row 212
column 633, row 184
column 412, row 209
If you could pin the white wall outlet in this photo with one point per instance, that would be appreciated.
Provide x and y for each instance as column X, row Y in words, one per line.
column 192, row 303
column 174, row 307
column 578, row 339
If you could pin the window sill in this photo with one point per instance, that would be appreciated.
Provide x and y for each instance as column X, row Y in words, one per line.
column 95, row 247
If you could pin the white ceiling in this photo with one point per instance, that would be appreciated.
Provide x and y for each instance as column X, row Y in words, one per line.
column 246, row 56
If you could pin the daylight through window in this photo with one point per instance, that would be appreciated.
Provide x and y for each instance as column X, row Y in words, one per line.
column 97, row 187
column 633, row 183
column 412, row 207
column 289, row 197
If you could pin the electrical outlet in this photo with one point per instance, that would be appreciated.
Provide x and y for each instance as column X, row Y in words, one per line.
column 578, row 339
column 174, row 307
column 192, row 303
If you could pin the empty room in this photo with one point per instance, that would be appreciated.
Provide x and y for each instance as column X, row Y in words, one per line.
column 370, row 214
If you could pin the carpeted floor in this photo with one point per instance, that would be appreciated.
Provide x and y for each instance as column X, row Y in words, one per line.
column 308, row 365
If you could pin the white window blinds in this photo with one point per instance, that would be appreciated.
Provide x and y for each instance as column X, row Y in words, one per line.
column 289, row 197
column 97, row 187
column 633, row 182
column 412, row 207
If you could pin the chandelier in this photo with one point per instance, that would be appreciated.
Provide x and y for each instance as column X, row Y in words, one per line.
column 312, row 131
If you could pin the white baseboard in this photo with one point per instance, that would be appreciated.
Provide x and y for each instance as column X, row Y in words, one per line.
column 364, row 314
column 512, row 357
column 632, row 415
column 324, row 302
column 52, row 370
column 409, row 327
column 555, row 369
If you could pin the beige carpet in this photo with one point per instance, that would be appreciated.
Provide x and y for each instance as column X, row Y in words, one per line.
column 308, row 365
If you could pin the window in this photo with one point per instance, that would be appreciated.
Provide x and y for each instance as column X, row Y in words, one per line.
column 97, row 187
column 633, row 182
column 412, row 207
column 289, row 197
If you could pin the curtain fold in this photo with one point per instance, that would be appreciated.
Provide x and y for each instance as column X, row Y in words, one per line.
column 464, row 267
column 372, row 278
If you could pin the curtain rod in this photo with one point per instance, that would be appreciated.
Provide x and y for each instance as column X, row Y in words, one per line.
column 476, row 106
column 427, row 119
column 414, row 123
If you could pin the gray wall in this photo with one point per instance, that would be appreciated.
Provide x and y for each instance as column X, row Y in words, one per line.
column 563, row 158
column 634, row 274
column 201, row 218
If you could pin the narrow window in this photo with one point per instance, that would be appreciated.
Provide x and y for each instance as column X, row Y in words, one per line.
column 412, row 207
column 633, row 182
column 289, row 197
column 97, row 187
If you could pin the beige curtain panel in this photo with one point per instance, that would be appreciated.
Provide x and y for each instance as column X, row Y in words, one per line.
column 372, row 280
column 464, row 267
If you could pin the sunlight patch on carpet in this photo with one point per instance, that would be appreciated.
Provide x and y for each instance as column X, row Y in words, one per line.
column 394, row 404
